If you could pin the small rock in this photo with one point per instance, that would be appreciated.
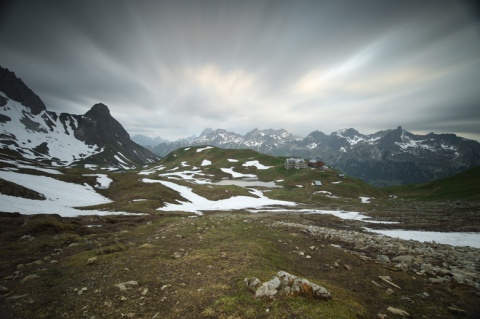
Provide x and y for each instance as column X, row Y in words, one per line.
column 91, row 260
column 268, row 289
column 80, row 291
column 4, row 290
column 126, row 285
column 29, row 277
column 123, row 298
column 347, row 267
column 144, row 292
column 408, row 259
column 177, row 255
column 252, row 283
column 389, row 291
column 164, row 287
column 383, row 258
column 457, row 310
column 147, row 245
column 398, row 311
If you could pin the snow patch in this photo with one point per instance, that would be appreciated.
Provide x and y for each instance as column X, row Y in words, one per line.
column 256, row 164
column 454, row 238
column 103, row 181
column 196, row 203
column 206, row 162
column 61, row 197
column 203, row 149
column 236, row 174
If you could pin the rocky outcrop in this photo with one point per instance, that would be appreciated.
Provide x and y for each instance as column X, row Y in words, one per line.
column 439, row 263
column 286, row 285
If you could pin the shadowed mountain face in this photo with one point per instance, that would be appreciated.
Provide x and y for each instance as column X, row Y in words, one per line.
column 29, row 129
column 15, row 89
column 384, row 158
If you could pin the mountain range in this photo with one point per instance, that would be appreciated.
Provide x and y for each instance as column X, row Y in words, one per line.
column 28, row 129
column 388, row 157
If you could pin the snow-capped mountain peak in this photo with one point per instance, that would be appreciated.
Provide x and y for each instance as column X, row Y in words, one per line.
column 33, row 132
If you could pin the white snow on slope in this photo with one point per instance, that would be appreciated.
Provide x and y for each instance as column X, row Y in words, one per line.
column 365, row 200
column 454, row 239
column 41, row 169
column 236, row 174
column 197, row 203
column 186, row 175
column 61, row 141
column 61, row 197
column 232, row 160
column 203, row 149
column 206, row 162
column 256, row 164
column 103, row 181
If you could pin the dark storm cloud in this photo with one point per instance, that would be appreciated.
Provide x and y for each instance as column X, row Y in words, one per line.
column 172, row 68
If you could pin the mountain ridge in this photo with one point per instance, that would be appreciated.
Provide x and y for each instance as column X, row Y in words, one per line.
column 28, row 128
column 384, row 158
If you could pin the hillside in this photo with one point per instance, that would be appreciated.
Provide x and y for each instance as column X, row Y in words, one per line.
column 463, row 186
column 172, row 240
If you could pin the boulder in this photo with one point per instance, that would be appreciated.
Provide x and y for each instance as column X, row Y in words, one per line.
column 285, row 284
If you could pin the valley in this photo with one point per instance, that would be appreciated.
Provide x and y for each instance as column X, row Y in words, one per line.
column 167, row 241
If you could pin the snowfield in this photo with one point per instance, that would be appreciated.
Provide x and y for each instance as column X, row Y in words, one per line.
column 197, row 203
column 453, row 238
column 59, row 139
column 61, row 197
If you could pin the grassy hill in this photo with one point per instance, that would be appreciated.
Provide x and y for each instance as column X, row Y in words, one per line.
column 297, row 183
column 463, row 186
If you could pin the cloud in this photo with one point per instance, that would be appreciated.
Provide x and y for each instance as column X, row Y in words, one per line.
column 174, row 68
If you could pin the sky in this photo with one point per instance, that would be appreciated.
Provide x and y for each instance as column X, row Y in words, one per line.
column 174, row 68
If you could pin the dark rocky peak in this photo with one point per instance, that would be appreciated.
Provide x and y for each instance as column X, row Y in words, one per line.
column 316, row 136
column 16, row 90
column 98, row 109
column 394, row 136
column 349, row 132
column 206, row 132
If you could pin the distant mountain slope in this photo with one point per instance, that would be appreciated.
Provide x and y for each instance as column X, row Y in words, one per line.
column 29, row 129
column 389, row 157
column 148, row 141
column 462, row 186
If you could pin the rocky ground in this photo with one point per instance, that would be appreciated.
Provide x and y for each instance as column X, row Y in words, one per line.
column 170, row 266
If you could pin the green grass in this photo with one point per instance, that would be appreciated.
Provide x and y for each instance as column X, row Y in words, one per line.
column 463, row 186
